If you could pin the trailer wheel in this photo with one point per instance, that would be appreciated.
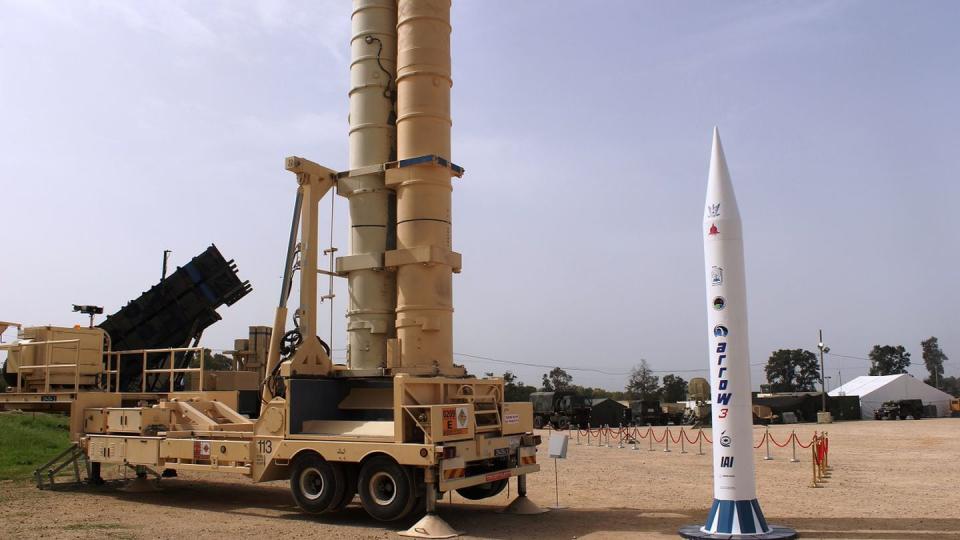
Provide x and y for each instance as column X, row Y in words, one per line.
column 386, row 489
column 315, row 483
column 483, row 491
column 537, row 422
column 563, row 423
column 349, row 488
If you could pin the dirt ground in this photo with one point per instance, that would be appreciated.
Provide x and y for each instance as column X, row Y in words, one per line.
column 890, row 480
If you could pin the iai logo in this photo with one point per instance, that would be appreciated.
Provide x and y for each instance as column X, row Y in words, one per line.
column 720, row 331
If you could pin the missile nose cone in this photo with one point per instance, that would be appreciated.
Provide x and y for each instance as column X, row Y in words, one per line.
column 721, row 201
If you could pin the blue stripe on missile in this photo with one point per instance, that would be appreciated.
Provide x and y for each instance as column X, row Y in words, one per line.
column 725, row 525
column 712, row 515
column 722, row 513
column 759, row 513
column 745, row 517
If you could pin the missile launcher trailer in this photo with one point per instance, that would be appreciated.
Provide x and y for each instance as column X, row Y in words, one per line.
column 400, row 424
column 383, row 439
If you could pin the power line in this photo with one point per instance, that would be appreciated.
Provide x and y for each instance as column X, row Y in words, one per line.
column 590, row 370
column 529, row 364
column 849, row 356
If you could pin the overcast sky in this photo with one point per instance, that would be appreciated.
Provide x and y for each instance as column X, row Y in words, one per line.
column 127, row 128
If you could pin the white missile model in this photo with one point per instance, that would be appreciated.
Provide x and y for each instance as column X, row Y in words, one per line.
column 735, row 510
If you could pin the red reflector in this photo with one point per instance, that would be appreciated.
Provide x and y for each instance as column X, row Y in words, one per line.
column 497, row 476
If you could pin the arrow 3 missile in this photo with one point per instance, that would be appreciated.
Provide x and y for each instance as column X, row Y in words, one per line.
column 735, row 510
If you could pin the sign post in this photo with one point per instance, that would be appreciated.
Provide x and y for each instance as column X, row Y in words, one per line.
column 558, row 450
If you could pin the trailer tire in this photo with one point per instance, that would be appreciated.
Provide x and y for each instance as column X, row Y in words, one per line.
column 537, row 422
column 483, row 491
column 349, row 488
column 387, row 489
column 315, row 483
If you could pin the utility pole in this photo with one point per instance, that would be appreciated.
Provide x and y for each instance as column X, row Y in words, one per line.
column 823, row 386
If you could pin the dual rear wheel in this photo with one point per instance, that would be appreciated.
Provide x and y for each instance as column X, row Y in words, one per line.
column 388, row 491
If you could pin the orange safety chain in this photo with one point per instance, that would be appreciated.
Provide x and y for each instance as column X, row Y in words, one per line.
column 621, row 435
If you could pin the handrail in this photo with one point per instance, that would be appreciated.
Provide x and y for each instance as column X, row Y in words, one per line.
column 170, row 371
column 46, row 366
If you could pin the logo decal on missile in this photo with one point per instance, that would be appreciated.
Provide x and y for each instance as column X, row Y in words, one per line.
column 713, row 210
column 720, row 331
column 725, row 440
column 716, row 276
column 719, row 303
column 713, row 230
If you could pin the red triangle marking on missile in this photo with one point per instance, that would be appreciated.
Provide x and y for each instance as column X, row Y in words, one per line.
column 713, row 230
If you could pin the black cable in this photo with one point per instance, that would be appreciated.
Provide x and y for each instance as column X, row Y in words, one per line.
column 387, row 92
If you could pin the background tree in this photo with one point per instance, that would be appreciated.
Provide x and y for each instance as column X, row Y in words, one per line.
column 674, row 389
column 951, row 385
column 643, row 384
column 889, row 360
column 933, row 358
column 514, row 389
column 213, row 361
column 556, row 380
column 792, row 370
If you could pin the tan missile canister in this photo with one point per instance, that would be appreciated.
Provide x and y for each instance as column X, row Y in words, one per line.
column 424, row 258
column 372, row 289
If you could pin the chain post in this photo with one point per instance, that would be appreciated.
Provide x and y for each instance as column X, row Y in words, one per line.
column 766, row 435
column 793, row 440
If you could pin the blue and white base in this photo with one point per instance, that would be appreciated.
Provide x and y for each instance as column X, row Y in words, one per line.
column 735, row 517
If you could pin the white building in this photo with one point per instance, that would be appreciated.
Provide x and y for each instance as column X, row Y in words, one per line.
column 875, row 389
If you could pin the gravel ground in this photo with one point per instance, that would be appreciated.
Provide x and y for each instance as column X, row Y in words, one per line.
column 890, row 480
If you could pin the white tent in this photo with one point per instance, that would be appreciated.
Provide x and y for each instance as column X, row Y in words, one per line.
column 875, row 389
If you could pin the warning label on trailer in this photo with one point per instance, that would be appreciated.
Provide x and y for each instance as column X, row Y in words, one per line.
column 511, row 419
column 201, row 449
column 455, row 420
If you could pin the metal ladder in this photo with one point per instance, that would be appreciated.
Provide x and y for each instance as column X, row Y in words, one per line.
column 46, row 474
column 485, row 410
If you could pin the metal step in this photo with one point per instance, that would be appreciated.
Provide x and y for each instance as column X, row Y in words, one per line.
column 46, row 474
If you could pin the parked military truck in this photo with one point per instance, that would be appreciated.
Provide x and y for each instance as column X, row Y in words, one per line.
column 559, row 409
column 892, row 410
column 647, row 412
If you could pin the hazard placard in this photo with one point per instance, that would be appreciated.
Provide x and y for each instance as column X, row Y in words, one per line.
column 201, row 449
